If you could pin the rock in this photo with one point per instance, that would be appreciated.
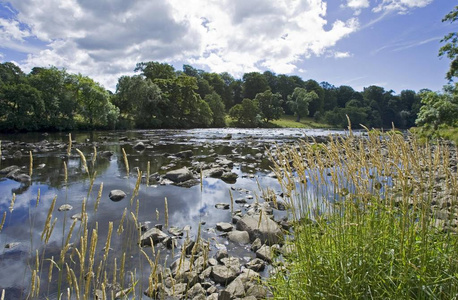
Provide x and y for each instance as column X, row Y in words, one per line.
column 180, row 266
column 139, row 146
column 213, row 296
column 215, row 172
column 196, row 290
column 229, row 177
column 256, row 265
column 222, row 274
column 12, row 245
column 179, row 175
column 41, row 166
column 9, row 169
column 222, row 253
column 249, row 276
column 265, row 253
column 256, row 245
column 257, row 291
column 232, row 262
column 241, row 237
column 17, row 154
column 240, row 201
column 224, row 227
column 225, row 162
column 264, row 228
column 153, row 235
column 116, row 195
column 222, row 206
column 24, row 178
column 228, row 137
column 175, row 231
column 184, row 154
column 65, row 207
column 234, row 290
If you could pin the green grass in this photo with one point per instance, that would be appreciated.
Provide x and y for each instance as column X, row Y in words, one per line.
column 372, row 228
column 287, row 121
column 445, row 132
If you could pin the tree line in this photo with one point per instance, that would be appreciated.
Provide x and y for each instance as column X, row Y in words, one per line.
column 161, row 97
column 158, row 96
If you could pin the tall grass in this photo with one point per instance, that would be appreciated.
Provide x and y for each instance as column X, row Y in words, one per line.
column 375, row 218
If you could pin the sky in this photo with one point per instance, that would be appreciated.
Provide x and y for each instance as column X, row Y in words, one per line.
column 390, row 43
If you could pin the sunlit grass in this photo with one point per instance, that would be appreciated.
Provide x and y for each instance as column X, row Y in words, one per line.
column 367, row 224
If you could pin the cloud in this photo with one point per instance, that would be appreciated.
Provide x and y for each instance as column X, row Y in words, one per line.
column 401, row 6
column 338, row 54
column 105, row 39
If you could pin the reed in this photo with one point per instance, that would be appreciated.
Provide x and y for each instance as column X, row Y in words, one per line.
column 99, row 196
column 30, row 163
column 83, row 161
column 366, row 213
column 48, row 218
column 126, row 162
column 13, row 199
column 69, row 148
column 3, row 221
column 148, row 171
column 166, row 213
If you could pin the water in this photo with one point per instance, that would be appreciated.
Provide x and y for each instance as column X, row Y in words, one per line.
column 186, row 206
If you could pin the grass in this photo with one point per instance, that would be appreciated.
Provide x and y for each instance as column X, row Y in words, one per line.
column 444, row 132
column 287, row 121
column 375, row 219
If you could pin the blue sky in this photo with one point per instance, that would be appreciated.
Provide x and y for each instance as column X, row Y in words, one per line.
column 390, row 43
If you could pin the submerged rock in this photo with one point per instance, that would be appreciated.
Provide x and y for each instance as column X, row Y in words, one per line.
column 139, row 146
column 116, row 195
column 229, row 177
column 153, row 235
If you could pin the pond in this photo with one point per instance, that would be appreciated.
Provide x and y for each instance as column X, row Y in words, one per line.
column 242, row 153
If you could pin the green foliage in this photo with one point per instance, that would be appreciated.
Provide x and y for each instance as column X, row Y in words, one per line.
column 254, row 83
column 21, row 107
column 269, row 105
column 246, row 114
column 155, row 70
column 217, row 108
column 450, row 49
column 299, row 102
column 438, row 108
column 139, row 99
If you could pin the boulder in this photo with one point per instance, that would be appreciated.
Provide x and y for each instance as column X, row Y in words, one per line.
column 256, row 265
column 264, row 228
column 222, row 274
column 265, row 253
column 153, row 235
column 179, row 175
column 229, row 177
column 224, row 227
column 237, row 236
column 116, row 195
column 234, row 290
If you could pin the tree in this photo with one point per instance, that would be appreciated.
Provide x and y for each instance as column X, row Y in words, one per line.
column 269, row 105
column 450, row 49
column 246, row 113
column 218, row 110
column 138, row 98
column 299, row 101
column 438, row 108
column 155, row 70
column 21, row 107
column 316, row 105
column 254, row 83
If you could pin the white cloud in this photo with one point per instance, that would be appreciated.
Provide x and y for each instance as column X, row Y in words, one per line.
column 358, row 4
column 402, row 6
column 104, row 39
column 338, row 54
